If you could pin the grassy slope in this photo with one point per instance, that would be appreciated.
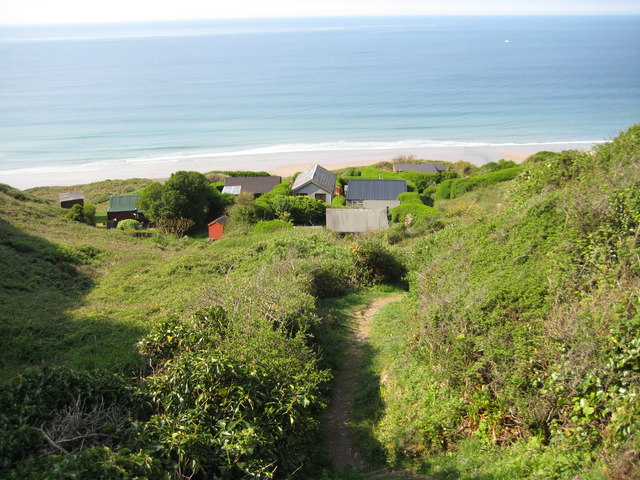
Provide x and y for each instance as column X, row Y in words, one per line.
column 523, row 320
column 519, row 358
column 96, row 193
column 60, row 305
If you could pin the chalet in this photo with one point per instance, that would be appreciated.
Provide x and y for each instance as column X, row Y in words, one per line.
column 254, row 185
column 122, row 207
column 216, row 228
column 69, row 199
column 317, row 182
column 375, row 193
column 420, row 167
column 357, row 220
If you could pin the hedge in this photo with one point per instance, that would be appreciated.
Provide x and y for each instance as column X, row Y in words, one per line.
column 455, row 187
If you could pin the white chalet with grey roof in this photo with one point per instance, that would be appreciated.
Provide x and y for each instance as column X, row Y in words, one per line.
column 317, row 182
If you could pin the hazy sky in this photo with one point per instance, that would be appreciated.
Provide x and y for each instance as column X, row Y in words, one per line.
column 73, row 11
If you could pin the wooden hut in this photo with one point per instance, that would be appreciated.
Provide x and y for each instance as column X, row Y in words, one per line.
column 69, row 199
column 216, row 228
column 122, row 207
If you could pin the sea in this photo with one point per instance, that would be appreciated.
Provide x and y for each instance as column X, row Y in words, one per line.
column 76, row 95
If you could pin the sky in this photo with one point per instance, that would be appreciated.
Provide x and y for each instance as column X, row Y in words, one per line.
column 16, row 12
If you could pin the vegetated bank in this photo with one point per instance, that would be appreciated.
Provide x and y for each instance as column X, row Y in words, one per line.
column 519, row 356
column 229, row 372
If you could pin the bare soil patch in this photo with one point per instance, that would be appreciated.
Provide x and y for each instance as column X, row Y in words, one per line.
column 341, row 449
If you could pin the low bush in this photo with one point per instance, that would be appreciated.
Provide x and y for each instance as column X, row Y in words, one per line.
column 339, row 201
column 267, row 226
column 454, row 188
column 301, row 210
column 377, row 263
column 128, row 224
column 411, row 205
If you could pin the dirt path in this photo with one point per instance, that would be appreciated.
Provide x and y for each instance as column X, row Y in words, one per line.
column 342, row 451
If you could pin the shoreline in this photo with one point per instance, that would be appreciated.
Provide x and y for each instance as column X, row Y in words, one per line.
column 283, row 164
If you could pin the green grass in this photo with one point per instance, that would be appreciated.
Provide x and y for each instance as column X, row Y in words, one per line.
column 477, row 202
column 96, row 193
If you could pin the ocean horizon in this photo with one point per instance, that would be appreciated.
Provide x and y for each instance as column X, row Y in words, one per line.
column 104, row 97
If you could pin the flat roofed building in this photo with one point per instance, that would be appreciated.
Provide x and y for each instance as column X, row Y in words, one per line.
column 357, row 220
column 69, row 199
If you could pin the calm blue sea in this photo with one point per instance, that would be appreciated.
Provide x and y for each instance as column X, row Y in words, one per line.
column 71, row 95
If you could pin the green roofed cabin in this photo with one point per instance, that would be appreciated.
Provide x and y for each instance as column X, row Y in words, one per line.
column 122, row 207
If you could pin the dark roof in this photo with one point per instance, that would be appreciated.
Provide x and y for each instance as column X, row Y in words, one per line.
column 222, row 220
column 253, row 184
column 375, row 189
column 420, row 167
column 123, row 203
column 318, row 175
column 69, row 196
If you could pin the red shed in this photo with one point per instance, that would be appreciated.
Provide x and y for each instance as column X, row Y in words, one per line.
column 216, row 228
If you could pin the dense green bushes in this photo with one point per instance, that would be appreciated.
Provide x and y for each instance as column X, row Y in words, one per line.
column 523, row 330
column 302, row 210
column 456, row 187
column 339, row 201
column 128, row 224
column 376, row 263
column 268, row 226
column 183, row 195
column 82, row 213
column 411, row 204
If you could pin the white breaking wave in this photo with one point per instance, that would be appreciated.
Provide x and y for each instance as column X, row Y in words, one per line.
column 402, row 146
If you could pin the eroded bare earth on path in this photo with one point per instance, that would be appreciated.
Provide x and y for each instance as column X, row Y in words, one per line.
column 342, row 451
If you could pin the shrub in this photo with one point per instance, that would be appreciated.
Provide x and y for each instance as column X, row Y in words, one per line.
column 302, row 210
column 183, row 195
column 83, row 214
column 411, row 204
column 376, row 263
column 339, row 201
column 495, row 166
column 456, row 187
column 175, row 226
column 271, row 226
column 128, row 224
column 75, row 410
column 245, row 210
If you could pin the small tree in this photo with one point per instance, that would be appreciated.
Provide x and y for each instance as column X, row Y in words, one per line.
column 183, row 195
column 83, row 214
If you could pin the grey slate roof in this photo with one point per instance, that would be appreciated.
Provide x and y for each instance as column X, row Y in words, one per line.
column 375, row 189
column 123, row 203
column 420, row 167
column 68, row 196
column 318, row 175
column 253, row 184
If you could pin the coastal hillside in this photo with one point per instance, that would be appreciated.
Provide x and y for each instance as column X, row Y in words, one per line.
column 518, row 354
column 513, row 351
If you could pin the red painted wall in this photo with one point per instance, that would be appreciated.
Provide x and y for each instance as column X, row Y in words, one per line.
column 216, row 230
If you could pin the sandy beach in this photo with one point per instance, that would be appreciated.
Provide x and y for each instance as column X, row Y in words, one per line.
column 276, row 163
